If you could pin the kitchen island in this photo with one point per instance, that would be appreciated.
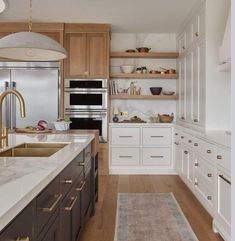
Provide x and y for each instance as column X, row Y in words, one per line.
column 22, row 179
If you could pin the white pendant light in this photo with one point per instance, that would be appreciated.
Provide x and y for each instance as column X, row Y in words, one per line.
column 30, row 46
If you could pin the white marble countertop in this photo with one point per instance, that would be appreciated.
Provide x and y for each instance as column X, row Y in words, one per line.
column 141, row 124
column 23, row 178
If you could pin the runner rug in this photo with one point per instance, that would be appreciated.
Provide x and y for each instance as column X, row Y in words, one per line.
column 151, row 217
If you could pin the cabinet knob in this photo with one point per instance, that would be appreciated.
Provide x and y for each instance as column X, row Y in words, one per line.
column 182, row 137
column 176, row 134
column 196, row 164
column 219, row 157
column 209, row 175
column 208, row 151
column 189, row 141
column 183, row 47
column 176, row 143
column 196, row 34
column 195, row 144
column 196, row 183
column 195, row 120
column 68, row 181
column 185, row 152
column 22, row 239
column 182, row 118
column 209, row 197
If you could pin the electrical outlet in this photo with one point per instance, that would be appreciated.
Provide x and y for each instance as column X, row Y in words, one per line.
column 124, row 113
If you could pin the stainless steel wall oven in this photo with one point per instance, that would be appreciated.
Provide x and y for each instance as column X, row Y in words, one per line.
column 86, row 103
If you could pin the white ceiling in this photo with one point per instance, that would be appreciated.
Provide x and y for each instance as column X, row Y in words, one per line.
column 139, row 16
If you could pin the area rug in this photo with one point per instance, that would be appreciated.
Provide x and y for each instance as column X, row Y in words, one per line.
column 151, row 217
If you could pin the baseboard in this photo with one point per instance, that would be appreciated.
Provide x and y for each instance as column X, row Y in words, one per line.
column 149, row 171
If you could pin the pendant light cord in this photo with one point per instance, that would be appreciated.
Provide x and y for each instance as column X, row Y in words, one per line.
column 30, row 15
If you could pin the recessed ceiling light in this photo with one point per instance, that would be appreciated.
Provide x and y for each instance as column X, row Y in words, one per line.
column 3, row 5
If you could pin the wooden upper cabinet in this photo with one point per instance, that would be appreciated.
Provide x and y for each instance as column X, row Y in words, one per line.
column 88, row 49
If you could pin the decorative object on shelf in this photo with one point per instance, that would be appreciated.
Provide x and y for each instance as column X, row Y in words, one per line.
column 168, row 92
column 155, row 90
column 134, row 119
column 168, row 71
column 130, row 51
column 3, row 5
column 166, row 118
column 127, row 69
column 144, row 70
column 139, row 70
column 143, row 49
column 30, row 46
column 154, row 72
column 62, row 124
column 116, row 113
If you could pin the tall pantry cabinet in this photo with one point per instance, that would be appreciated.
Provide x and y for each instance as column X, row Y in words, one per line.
column 201, row 101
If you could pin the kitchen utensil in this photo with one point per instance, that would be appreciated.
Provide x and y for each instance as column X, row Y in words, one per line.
column 155, row 90
column 143, row 49
column 127, row 69
column 166, row 118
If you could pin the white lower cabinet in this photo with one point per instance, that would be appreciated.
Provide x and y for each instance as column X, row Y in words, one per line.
column 140, row 149
column 205, row 169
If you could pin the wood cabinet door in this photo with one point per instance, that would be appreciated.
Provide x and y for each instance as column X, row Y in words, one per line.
column 97, row 55
column 75, row 64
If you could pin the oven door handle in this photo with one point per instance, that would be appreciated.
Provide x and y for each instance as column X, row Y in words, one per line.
column 86, row 114
column 85, row 91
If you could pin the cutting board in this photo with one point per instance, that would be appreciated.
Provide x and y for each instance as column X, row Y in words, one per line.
column 27, row 130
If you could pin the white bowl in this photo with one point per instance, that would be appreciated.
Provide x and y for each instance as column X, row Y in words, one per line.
column 127, row 69
column 61, row 125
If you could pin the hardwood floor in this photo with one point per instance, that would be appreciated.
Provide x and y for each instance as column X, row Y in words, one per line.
column 101, row 226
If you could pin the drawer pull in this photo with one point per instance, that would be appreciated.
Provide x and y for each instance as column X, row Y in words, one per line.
column 22, row 239
column 182, row 118
column 125, row 156
column 209, row 175
column 82, row 164
column 79, row 189
column 183, row 47
column 156, row 136
column 208, row 151
column 73, row 199
column 196, row 164
column 68, row 181
column 195, row 120
column 196, row 183
column 182, row 137
column 176, row 143
column 219, row 157
column 189, row 141
column 52, row 207
column 185, row 152
column 125, row 136
column 156, row 156
column 195, row 144
column 176, row 134
column 209, row 197
column 196, row 34
column 226, row 180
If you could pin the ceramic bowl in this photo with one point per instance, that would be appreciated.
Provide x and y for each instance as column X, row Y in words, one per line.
column 127, row 69
column 156, row 90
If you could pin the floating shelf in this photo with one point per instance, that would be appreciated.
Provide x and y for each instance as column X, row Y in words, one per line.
column 143, row 97
column 151, row 55
column 145, row 76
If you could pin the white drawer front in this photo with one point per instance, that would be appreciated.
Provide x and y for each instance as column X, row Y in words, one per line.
column 205, row 169
column 156, row 136
column 157, row 156
column 204, row 148
column 223, row 158
column 125, row 156
column 125, row 136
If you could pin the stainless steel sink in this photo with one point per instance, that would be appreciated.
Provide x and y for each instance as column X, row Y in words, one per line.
column 33, row 150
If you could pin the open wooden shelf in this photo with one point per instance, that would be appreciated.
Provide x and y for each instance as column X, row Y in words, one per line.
column 143, row 97
column 144, row 76
column 151, row 55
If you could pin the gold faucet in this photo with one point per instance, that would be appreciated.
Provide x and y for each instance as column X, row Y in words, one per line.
column 4, row 131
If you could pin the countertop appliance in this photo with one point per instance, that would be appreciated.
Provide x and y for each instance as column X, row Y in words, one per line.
column 39, row 84
column 86, row 103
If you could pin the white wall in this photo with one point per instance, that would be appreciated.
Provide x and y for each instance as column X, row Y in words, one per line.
column 158, row 43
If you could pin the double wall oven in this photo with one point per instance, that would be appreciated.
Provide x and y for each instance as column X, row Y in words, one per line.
column 86, row 103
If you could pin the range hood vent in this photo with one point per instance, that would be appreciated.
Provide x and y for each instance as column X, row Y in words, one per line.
column 225, row 48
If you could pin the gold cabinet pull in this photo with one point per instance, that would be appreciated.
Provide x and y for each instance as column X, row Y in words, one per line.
column 176, row 134
column 22, row 239
column 185, row 152
column 219, row 157
column 52, row 207
column 86, row 73
column 196, row 164
column 81, row 163
column 79, row 189
column 209, row 197
column 68, row 181
column 208, row 151
column 73, row 199
column 209, row 174
column 196, row 183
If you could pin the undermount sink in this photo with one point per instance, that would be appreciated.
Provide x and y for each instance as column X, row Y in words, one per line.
column 33, row 150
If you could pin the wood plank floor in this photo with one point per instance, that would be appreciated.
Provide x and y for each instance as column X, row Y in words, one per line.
column 101, row 226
